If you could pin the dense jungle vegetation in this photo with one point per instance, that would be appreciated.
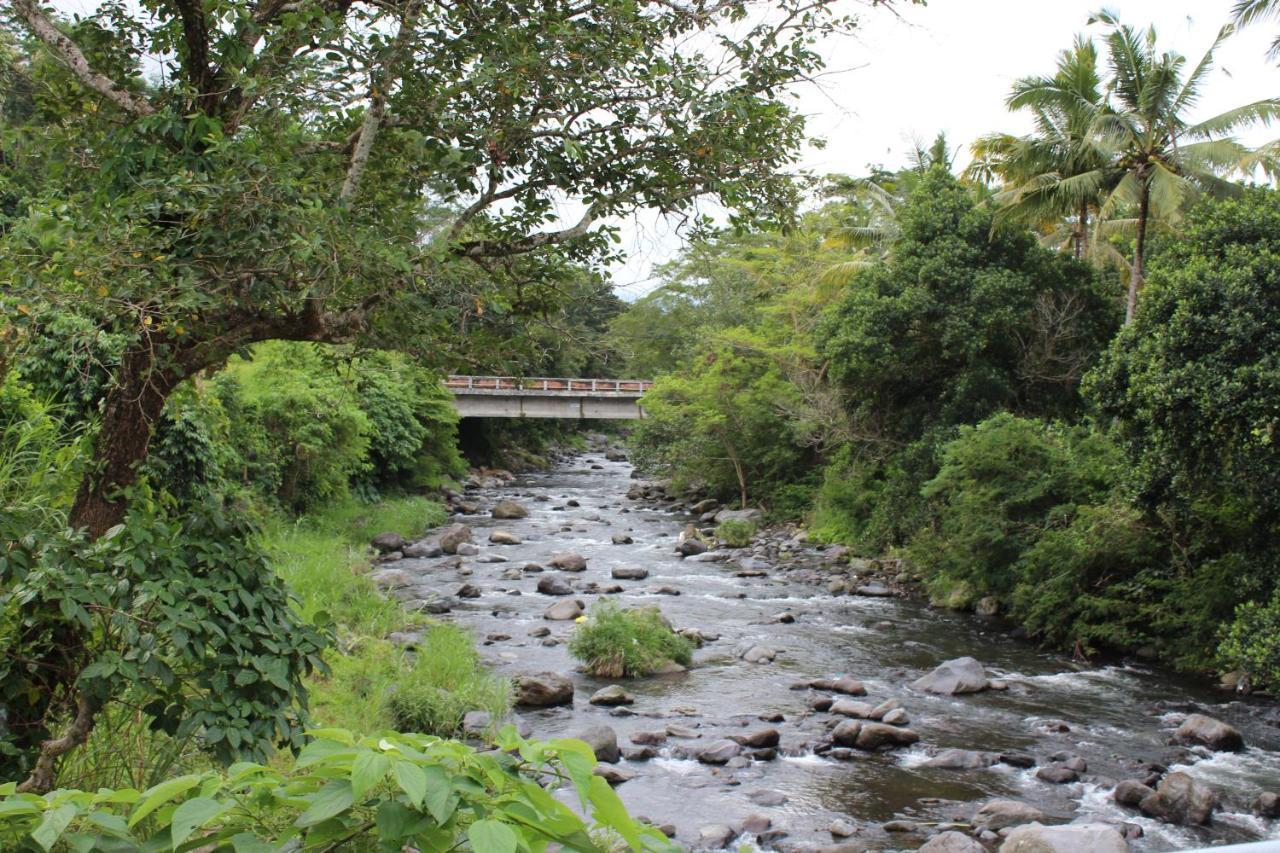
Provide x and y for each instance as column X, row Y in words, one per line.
column 1050, row 382
column 240, row 242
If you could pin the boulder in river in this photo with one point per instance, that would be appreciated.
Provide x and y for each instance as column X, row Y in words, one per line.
column 846, row 733
column 875, row 589
column 468, row 590
column 563, row 611
column 962, row 675
column 554, row 585
column 621, row 539
column 759, row 739
column 568, row 562
column 1070, row 838
column 738, row 515
column 422, row 550
column 543, row 689
column 392, row 578
column 1057, row 774
column 629, row 573
column 952, row 842
column 874, row 736
column 603, row 742
column 853, row 708
column 758, row 654
column 508, row 510
column 385, row 543
column 998, row 814
column 1267, row 805
column 719, row 752
column 715, row 836
column 690, row 543
column 1215, row 734
column 613, row 775
column 453, row 536
column 611, row 695
column 504, row 537
column 963, row 759
column 895, row 717
column 1179, row 799
column 1131, row 792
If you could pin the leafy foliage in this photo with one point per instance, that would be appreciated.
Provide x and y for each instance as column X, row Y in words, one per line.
column 184, row 616
column 735, row 532
column 375, row 793
column 618, row 643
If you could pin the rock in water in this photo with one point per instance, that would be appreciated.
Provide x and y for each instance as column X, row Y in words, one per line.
column 563, row 611
column 621, row 539
column 569, row 562
column 962, row 675
column 758, row 654
column 962, row 759
column 952, row 842
column 542, row 689
column 603, row 742
column 504, row 537
column 1071, row 838
column 629, row 573
column 611, row 695
column 554, row 585
column 1131, row 792
column 421, row 550
column 508, row 510
column 875, row 736
column 718, row 752
column 738, row 515
column 454, row 536
column 1179, row 799
column 689, row 543
column 385, row 543
column 1267, row 805
column 1215, row 734
column 998, row 814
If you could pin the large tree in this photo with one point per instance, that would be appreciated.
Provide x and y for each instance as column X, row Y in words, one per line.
column 229, row 172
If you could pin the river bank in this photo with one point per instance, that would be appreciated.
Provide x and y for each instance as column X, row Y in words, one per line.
column 1114, row 722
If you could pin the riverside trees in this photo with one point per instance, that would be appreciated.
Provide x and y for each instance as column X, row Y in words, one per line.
column 195, row 178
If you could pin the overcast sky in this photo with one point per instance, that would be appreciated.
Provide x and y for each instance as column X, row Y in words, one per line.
column 948, row 67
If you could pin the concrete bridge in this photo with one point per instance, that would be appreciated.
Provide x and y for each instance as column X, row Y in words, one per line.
column 510, row 397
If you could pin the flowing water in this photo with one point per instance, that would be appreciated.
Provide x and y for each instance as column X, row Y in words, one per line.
column 1119, row 716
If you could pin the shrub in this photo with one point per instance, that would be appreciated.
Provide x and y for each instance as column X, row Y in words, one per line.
column 386, row 792
column 1000, row 485
column 180, row 612
column 736, row 532
column 617, row 643
column 1252, row 642
column 444, row 679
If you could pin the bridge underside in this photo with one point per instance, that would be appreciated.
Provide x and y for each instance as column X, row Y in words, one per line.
column 533, row 405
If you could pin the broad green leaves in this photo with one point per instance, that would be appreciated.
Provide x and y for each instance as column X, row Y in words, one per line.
column 398, row 789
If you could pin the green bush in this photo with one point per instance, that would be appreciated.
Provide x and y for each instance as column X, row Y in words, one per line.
column 443, row 680
column 736, row 532
column 1000, row 486
column 617, row 643
column 378, row 793
column 180, row 612
column 1252, row 642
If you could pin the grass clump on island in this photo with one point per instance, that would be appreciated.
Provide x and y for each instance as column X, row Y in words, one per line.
column 736, row 532
column 617, row 643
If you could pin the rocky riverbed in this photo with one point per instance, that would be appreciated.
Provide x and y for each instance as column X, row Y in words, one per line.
column 824, row 709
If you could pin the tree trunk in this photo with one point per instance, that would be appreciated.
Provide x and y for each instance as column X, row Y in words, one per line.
column 1082, row 231
column 1137, row 274
column 132, row 408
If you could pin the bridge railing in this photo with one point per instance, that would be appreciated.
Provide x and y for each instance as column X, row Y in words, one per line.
column 540, row 383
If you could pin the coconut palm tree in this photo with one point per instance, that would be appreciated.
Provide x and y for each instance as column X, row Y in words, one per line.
column 1037, row 171
column 1163, row 159
column 1247, row 12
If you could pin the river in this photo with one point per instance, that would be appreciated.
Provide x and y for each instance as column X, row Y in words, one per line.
column 1119, row 716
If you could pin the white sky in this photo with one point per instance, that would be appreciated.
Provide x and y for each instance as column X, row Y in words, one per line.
column 948, row 67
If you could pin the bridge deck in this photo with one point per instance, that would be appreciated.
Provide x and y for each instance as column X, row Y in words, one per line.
column 547, row 397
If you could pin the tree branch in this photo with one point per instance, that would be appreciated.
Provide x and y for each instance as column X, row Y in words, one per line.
column 195, row 38
column 73, row 57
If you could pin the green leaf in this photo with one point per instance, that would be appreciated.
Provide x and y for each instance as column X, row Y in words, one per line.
column 607, row 809
column 12, row 808
column 334, row 798
column 395, row 821
column 412, row 780
column 368, row 770
column 157, row 795
column 192, row 815
column 441, row 799
column 491, row 836
column 54, row 824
